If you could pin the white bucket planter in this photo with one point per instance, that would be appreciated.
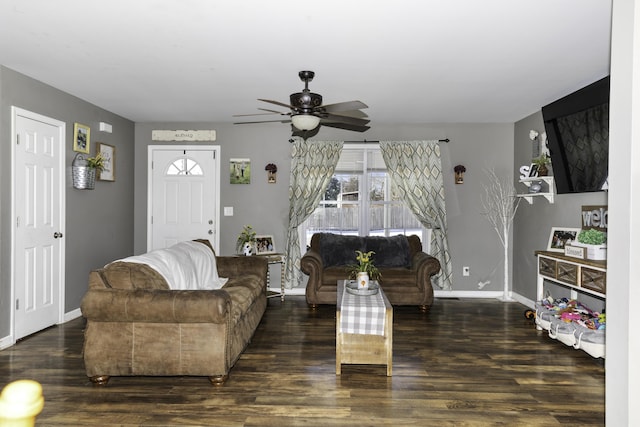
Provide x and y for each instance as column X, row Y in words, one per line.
column 594, row 252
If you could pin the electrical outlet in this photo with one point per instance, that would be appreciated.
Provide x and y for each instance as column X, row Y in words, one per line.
column 465, row 271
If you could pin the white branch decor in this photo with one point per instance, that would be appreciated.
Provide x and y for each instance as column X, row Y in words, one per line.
column 500, row 203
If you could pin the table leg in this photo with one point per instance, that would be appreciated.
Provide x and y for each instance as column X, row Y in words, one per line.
column 282, row 280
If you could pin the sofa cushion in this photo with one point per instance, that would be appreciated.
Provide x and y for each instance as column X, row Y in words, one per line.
column 390, row 252
column 129, row 275
column 339, row 250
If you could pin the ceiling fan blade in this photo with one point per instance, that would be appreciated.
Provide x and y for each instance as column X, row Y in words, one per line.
column 270, row 113
column 346, row 126
column 344, row 106
column 336, row 118
column 276, row 103
column 274, row 111
column 264, row 121
column 254, row 114
column 351, row 113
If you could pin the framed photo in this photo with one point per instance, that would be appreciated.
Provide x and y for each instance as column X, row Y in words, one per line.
column 533, row 170
column 561, row 236
column 81, row 138
column 109, row 154
column 264, row 245
column 239, row 171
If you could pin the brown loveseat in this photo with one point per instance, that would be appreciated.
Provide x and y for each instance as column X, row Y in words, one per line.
column 136, row 325
column 406, row 270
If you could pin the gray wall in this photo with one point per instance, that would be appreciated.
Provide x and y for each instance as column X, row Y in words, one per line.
column 99, row 223
column 265, row 206
column 533, row 223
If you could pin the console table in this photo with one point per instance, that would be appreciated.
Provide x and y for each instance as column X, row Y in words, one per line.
column 580, row 275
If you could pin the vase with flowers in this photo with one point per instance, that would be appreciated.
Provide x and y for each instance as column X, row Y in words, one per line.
column 364, row 270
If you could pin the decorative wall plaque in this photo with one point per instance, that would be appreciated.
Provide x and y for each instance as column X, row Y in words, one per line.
column 183, row 135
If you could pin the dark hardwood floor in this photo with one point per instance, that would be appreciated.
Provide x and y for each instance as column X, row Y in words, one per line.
column 466, row 363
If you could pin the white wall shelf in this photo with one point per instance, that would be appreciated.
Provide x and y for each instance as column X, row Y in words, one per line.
column 549, row 195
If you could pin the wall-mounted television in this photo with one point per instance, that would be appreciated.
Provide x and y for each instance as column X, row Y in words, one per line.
column 577, row 127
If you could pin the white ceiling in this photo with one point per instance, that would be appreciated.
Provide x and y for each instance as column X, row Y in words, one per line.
column 423, row 61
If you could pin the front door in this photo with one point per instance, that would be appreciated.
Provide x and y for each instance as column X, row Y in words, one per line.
column 184, row 186
column 38, row 244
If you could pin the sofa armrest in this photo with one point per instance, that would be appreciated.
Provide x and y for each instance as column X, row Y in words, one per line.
column 425, row 266
column 311, row 262
column 233, row 266
column 156, row 306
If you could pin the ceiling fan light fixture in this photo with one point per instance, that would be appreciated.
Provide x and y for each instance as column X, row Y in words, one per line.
column 305, row 121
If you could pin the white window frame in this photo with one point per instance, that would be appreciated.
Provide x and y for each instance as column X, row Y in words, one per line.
column 364, row 202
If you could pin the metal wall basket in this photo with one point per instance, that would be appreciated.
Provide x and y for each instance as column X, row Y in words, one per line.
column 84, row 177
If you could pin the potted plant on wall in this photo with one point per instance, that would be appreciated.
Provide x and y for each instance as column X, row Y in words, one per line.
column 543, row 163
column 84, row 171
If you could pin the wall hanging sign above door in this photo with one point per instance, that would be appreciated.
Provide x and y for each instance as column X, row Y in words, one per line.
column 183, row 135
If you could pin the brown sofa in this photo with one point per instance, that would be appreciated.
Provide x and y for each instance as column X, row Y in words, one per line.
column 406, row 270
column 136, row 325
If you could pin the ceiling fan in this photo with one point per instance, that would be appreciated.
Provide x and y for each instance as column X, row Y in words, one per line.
column 307, row 113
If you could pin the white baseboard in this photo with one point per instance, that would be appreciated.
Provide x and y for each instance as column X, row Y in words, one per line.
column 522, row 300
column 292, row 291
column 480, row 294
column 6, row 342
column 73, row 314
column 467, row 294
column 439, row 294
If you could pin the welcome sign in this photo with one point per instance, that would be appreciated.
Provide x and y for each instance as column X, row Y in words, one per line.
column 595, row 217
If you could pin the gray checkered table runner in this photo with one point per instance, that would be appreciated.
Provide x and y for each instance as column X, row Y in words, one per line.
column 362, row 314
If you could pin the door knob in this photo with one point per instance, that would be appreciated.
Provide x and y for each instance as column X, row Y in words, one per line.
column 57, row 235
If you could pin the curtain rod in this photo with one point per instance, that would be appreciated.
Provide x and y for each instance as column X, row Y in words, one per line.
column 364, row 141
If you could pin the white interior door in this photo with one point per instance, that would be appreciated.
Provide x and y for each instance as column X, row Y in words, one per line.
column 184, row 195
column 38, row 212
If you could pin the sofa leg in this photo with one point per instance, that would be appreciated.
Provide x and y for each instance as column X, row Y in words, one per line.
column 313, row 306
column 424, row 308
column 218, row 380
column 100, row 379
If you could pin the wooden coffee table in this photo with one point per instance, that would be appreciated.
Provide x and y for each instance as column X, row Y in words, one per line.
column 375, row 346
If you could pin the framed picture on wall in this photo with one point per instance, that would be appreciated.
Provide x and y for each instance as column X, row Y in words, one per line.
column 264, row 245
column 561, row 236
column 239, row 171
column 81, row 138
column 109, row 154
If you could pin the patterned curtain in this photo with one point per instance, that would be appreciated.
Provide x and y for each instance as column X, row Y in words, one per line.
column 416, row 171
column 312, row 166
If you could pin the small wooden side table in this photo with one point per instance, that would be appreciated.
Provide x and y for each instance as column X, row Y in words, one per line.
column 276, row 258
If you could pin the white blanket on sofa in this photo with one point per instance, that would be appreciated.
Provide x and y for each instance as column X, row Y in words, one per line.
column 185, row 265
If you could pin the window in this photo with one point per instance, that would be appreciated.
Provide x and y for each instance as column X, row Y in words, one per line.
column 184, row 166
column 361, row 200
